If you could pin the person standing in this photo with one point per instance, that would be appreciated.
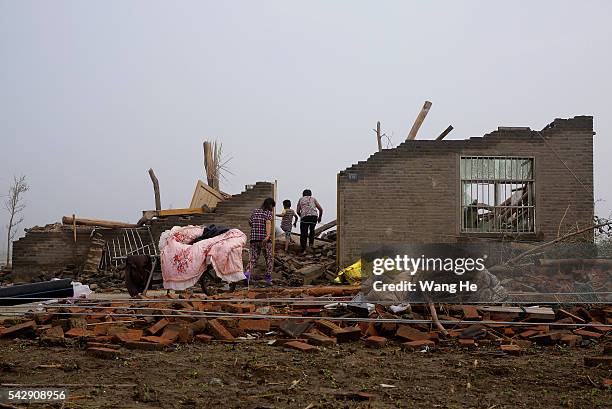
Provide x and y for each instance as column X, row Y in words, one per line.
column 310, row 212
column 261, row 238
column 287, row 219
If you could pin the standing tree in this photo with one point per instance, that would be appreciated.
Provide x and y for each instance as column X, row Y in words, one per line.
column 14, row 205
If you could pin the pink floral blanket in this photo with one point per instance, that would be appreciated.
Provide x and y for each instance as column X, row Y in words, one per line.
column 182, row 264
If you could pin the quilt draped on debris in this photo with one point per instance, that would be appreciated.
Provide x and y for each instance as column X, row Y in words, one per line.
column 183, row 264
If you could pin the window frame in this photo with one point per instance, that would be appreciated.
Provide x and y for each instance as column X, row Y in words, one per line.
column 531, row 182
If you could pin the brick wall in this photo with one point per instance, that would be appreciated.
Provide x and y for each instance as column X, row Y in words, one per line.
column 411, row 194
column 43, row 252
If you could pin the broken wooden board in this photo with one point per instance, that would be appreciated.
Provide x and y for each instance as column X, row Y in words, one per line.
column 205, row 195
column 541, row 313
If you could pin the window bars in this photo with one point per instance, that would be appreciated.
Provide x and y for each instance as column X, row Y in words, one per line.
column 498, row 194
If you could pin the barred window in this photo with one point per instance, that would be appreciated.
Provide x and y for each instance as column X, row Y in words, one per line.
column 497, row 194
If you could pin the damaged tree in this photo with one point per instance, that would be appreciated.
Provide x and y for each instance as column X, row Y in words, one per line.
column 15, row 206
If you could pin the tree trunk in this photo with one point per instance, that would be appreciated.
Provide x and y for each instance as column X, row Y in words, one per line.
column 8, row 239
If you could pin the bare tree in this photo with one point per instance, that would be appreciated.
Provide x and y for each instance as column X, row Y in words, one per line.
column 15, row 205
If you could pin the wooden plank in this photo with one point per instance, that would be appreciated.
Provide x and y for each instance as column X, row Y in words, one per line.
column 179, row 212
column 444, row 133
column 69, row 220
column 205, row 195
column 419, row 121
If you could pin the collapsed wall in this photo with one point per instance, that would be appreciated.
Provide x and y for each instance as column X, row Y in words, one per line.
column 51, row 251
column 412, row 193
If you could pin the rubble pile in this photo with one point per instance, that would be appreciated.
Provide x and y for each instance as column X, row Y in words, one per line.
column 307, row 319
column 315, row 266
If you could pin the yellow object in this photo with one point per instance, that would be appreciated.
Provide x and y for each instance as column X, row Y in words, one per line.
column 352, row 274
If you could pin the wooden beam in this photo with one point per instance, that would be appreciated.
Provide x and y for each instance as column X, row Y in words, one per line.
column 70, row 220
column 378, row 136
column 155, row 189
column 419, row 121
column 179, row 212
column 326, row 226
column 444, row 133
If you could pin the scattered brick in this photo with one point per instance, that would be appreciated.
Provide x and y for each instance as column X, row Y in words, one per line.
column 260, row 325
column 320, row 340
column 587, row 334
column 54, row 332
column 24, row 329
column 199, row 326
column 470, row 313
column 219, row 331
column 145, row 346
column 418, row 345
column 129, row 335
column 158, row 326
column 156, row 339
column 327, row 327
column 301, row 346
column 511, row 349
column 570, row 340
column 528, row 333
column 104, row 353
column 410, row 334
column 203, row 338
column 350, row 334
column 467, row 343
column 376, row 342
column 79, row 332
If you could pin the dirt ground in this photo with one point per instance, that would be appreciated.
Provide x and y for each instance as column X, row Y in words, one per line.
column 253, row 374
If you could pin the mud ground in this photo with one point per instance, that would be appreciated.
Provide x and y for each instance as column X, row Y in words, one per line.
column 253, row 374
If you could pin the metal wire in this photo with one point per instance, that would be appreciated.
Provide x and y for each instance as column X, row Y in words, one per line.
column 209, row 314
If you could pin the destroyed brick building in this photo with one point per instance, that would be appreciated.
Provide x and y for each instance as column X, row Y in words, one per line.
column 513, row 182
column 45, row 251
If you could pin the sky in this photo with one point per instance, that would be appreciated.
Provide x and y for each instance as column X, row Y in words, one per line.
column 94, row 93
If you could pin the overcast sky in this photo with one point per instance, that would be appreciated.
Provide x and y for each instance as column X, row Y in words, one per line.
column 92, row 94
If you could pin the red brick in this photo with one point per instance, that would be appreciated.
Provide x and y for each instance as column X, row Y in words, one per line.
column 419, row 344
column 219, row 331
column 350, row 334
column 467, row 343
column 260, row 325
column 301, row 346
column 102, row 345
column 158, row 340
column 508, row 331
column 102, row 338
column 240, row 308
column 101, row 329
column 54, row 332
column 199, row 326
column 376, row 342
column 587, row 334
column 511, row 349
column 203, row 338
column 327, row 327
column 320, row 340
column 104, row 353
column 145, row 346
column 528, row 333
column 158, row 326
column 170, row 333
column 129, row 335
column 470, row 313
column 570, row 340
column 79, row 332
column 25, row 328
column 410, row 334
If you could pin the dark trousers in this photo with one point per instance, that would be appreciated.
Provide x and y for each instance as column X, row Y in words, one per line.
column 307, row 230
